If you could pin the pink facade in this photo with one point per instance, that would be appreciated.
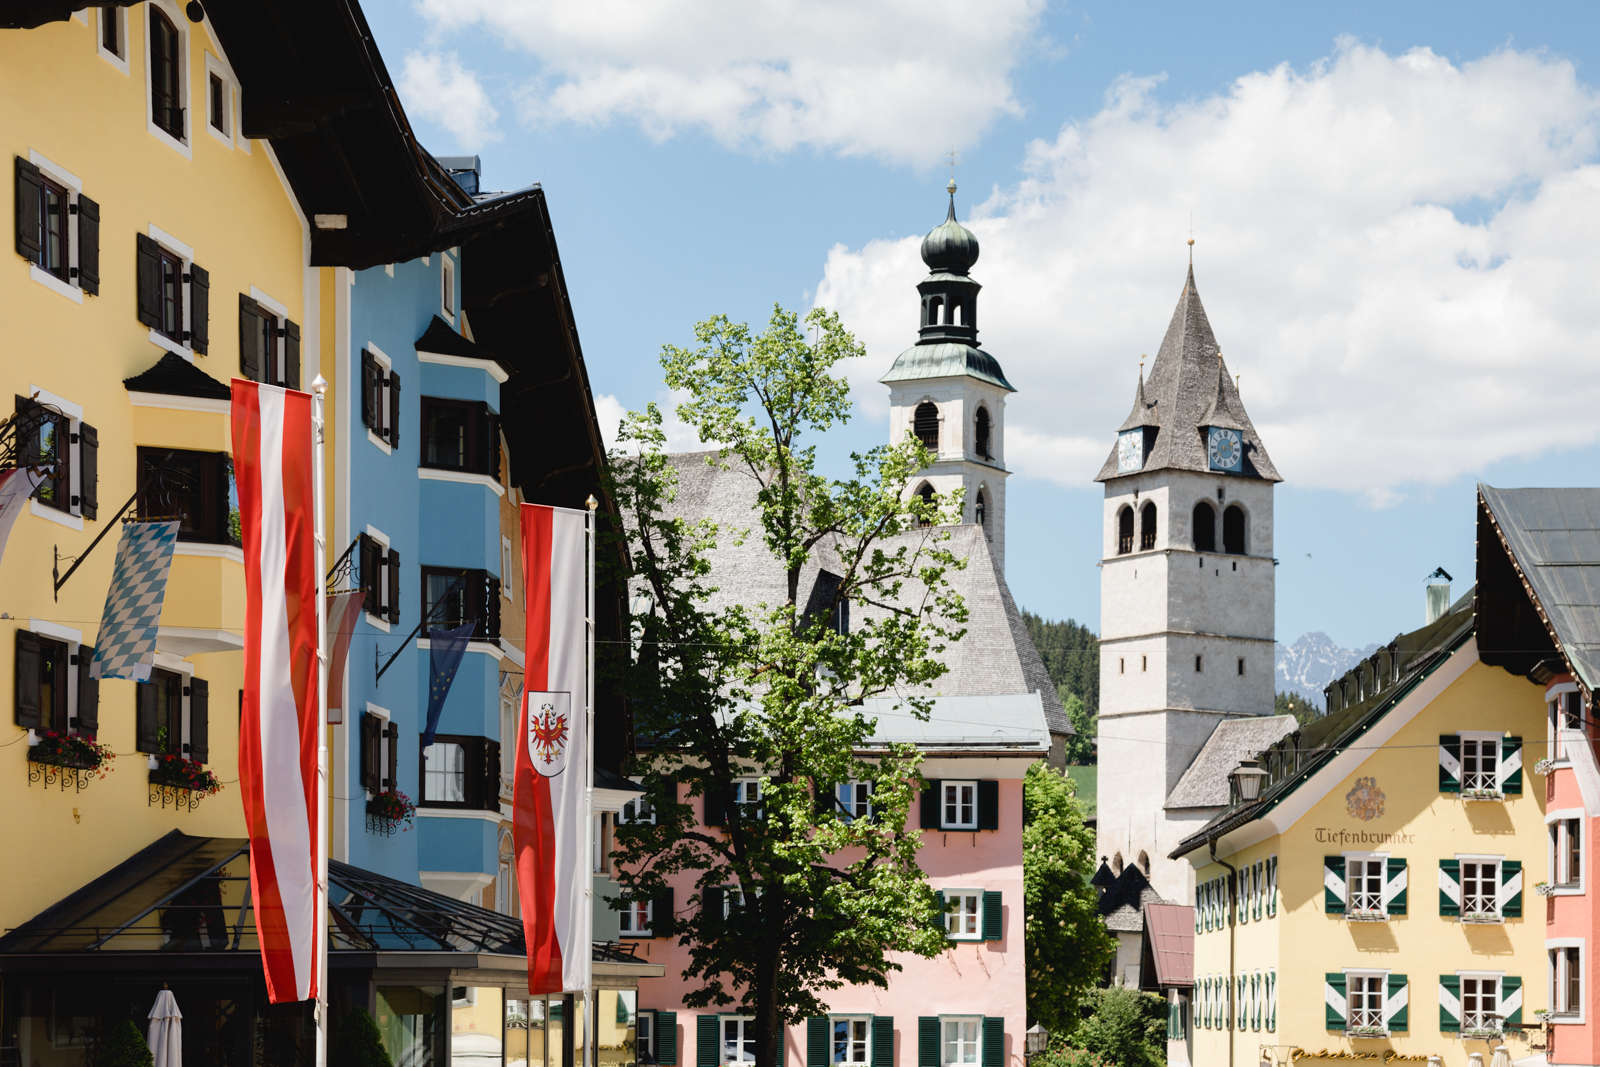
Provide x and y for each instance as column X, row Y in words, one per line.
column 977, row 978
column 1571, row 919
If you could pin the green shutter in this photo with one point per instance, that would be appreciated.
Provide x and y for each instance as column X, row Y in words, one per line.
column 1511, row 1001
column 1241, row 1007
column 991, row 925
column 1449, row 887
column 883, row 1041
column 994, row 1041
column 666, row 1037
column 1395, row 1003
column 944, row 911
column 1272, row 886
column 1272, row 1000
column 1510, row 889
column 1394, row 887
column 706, row 1040
column 1257, row 881
column 817, row 1041
column 1449, row 1003
column 1255, row 1002
column 930, row 806
column 1333, row 999
column 927, row 1041
column 1333, row 889
column 1449, row 763
column 1509, row 770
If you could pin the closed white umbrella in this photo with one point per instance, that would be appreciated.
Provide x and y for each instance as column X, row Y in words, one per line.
column 1502, row 1057
column 166, row 1031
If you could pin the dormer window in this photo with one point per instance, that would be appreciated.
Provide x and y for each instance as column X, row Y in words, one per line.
column 925, row 425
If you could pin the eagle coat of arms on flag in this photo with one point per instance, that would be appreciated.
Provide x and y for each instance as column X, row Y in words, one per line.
column 549, row 728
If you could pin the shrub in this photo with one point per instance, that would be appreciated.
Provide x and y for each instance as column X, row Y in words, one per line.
column 122, row 1046
column 355, row 1042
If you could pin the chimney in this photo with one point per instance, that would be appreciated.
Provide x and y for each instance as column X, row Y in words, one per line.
column 466, row 170
column 1438, row 592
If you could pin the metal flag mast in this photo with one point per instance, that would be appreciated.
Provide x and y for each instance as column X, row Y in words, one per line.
column 590, row 1030
column 319, row 390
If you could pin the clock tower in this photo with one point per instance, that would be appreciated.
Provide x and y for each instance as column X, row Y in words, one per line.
column 1186, row 598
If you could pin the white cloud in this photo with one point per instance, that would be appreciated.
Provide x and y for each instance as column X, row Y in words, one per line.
column 904, row 80
column 435, row 86
column 1396, row 253
column 681, row 437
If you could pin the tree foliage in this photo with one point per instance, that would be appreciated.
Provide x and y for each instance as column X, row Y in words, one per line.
column 1068, row 947
column 1071, row 654
column 1304, row 711
column 1122, row 1026
column 814, row 899
column 122, row 1046
column 356, row 1042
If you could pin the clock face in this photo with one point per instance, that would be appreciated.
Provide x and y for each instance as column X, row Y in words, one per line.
column 1224, row 449
column 1130, row 451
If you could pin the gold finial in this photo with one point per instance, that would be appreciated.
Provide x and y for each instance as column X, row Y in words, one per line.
column 951, row 188
column 591, row 503
column 1141, row 364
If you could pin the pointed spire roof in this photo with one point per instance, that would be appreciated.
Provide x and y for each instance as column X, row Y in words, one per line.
column 1143, row 413
column 1188, row 384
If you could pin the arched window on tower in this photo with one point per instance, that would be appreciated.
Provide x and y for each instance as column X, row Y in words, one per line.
column 1116, row 863
column 980, row 510
column 925, row 424
column 925, row 491
column 935, row 310
column 1233, row 530
column 980, row 435
column 955, row 314
column 1124, row 531
column 1147, row 526
column 1144, row 862
column 1205, row 527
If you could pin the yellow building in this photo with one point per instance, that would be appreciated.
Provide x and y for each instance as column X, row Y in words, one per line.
column 1369, row 902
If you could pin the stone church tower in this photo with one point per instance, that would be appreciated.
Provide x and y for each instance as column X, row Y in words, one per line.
column 949, row 392
column 1186, row 599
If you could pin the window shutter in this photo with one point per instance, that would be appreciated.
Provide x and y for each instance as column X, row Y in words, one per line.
column 1333, row 999
column 491, row 607
column 1449, row 763
column 28, row 663
column 715, row 807
column 663, row 914
column 1257, row 886
column 1449, row 1003
column 147, row 277
column 146, row 724
column 927, row 1041
column 371, row 393
column 394, row 408
column 994, row 1041
column 88, row 471
column 882, row 1041
column 393, row 594
column 817, row 1041
column 369, row 558
column 823, row 799
column 88, row 720
column 391, row 733
column 666, row 1038
column 88, row 245
column 251, row 357
column 30, row 203
column 1449, row 887
column 1511, row 889
column 371, row 733
column 199, row 720
column 291, row 354
column 1241, row 1002
column 1394, row 887
column 1508, row 772
column 988, row 804
column 1394, row 1004
column 1272, row 886
column 1333, row 892
column 706, row 1040
column 930, row 806
column 1511, row 1001
column 199, row 308
column 491, row 775
column 1272, row 1000
column 1241, row 891
column 993, row 928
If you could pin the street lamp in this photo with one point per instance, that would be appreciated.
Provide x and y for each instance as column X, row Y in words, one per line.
column 1247, row 779
column 1035, row 1040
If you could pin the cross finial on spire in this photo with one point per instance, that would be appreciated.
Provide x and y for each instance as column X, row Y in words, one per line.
column 1141, row 365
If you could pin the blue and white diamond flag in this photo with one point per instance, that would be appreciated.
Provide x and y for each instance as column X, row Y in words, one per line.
column 126, row 645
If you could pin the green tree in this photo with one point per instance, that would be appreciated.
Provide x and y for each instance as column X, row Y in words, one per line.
column 1303, row 710
column 122, row 1046
column 1071, row 654
column 1067, row 946
column 1080, row 746
column 356, row 1042
column 1123, row 1026
column 814, row 899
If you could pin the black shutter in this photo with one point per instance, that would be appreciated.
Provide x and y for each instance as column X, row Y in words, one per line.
column 199, row 720
column 492, row 608
column 992, row 926
column 88, row 693
column 711, row 902
column 371, row 736
column 369, row 559
column 928, row 1041
column 199, row 308
column 30, row 203
column 823, row 799
column 883, row 1041
column 392, row 733
column 663, row 923
column 146, row 725
column 493, row 421
column 707, row 1040
column 147, row 256
column 988, row 804
column 930, row 806
column 394, row 408
column 491, row 775
column 393, row 604
column 28, row 664
column 715, row 807
column 88, row 245
column 994, row 1041
column 291, row 354
column 817, row 1041
column 666, row 1038
column 88, row 471
column 371, row 389
column 250, row 355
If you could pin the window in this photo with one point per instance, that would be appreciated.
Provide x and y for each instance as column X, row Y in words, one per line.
column 1144, row 664
column 1204, row 522
column 1480, row 889
column 981, row 433
column 58, row 228
column 380, row 397
column 173, row 294
column 460, row 435
column 507, row 569
column 54, row 690
column 65, row 450
column 196, row 488
column 52, row 224
column 1199, row 662
column 925, row 493
column 1240, row 667
column 1566, row 713
column 1566, row 852
column 1147, row 527
column 1124, row 531
column 1566, row 980
column 1480, row 757
column 636, row 918
column 454, row 596
column 960, row 1041
column 444, row 773
column 171, row 713
column 738, row 1039
column 380, row 751
column 963, row 914
column 447, row 287
column 644, row 1037
column 1364, row 995
column 925, row 425
column 747, row 794
column 460, row 771
column 269, row 344
column 733, row 901
column 167, row 70
column 637, row 811
column 1364, row 885
column 1233, row 530
column 980, row 510
column 113, row 31
column 378, row 570
column 1480, row 1004
column 854, row 800
column 849, row 1045
column 959, row 802
column 217, row 103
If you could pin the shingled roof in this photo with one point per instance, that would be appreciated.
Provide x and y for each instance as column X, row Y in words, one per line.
column 1189, row 384
column 1205, row 783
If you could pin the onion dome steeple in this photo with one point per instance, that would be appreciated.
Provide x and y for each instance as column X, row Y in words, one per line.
column 950, row 247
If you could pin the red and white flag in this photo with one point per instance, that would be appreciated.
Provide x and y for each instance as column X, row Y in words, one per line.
column 16, row 486
column 278, row 729
column 550, row 822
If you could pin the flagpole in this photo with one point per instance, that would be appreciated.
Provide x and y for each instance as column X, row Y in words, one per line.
column 319, row 390
column 589, row 1022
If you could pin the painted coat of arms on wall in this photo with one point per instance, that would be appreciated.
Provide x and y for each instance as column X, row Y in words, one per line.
column 1365, row 800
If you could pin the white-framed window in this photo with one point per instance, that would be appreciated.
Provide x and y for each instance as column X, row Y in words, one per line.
column 738, row 1039
column 644, row 1036
column 220, row 94
column 958, row 805
column 166, row 293
column 444, row 773
column 275, row 340
column 747, row 794
column 504, row 880
column 447, row 288
column 637, row 811
column 1565, row 717
column 1363, row 879
column 733, row 900
column 1566, row 979
column 53, row 689
column 1480, row 1003
column 960, row 1040
column 1480, row 888
column 60, row 228
column 508, row 731
column 379, row 581
column 111, row 36
column 172, row 711
column 963, row 914
column 1567, row 844
column 380, row 390
column 1480, row 762
column 636, row 918
column 850, row 1039
column 380, row 743
column 854, row 800
column 508, row 585
column 1364, row 993
column 167, row 75
column 53, row 439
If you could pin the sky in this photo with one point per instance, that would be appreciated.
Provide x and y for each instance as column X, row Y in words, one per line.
column 1395, row 209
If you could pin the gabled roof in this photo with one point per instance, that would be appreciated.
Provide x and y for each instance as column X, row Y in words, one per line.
column 172, row 375
column 1188, row 384
column 1205, row 783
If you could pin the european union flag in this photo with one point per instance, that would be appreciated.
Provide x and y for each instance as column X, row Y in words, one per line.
column 445, row 649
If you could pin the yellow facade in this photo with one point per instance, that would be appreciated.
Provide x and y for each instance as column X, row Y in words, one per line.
column 81, row 114
column 1381, row 794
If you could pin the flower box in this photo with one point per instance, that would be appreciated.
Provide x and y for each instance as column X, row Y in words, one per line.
column 1367, row 1031
column 1543, row 766
column 1544, row 889
column 79, row 751
column 1366, row 916
column 389, row 811
column 177, row 772
column 1482, row 794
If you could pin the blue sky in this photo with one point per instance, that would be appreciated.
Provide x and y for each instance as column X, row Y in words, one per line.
column 1394, row 206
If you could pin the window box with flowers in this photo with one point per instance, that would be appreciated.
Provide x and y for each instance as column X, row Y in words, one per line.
column 1482, row 794
column 176, row 781
column 389, row 812
column 68, row 758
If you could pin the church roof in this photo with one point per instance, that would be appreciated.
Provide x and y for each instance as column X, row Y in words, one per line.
column 947, row 359
column 1188, row 384
column 1205, row 783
